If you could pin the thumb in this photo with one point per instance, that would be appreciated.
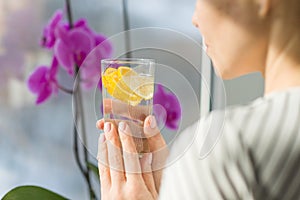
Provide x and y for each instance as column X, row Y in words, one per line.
column 158, row 148
column 155, row 139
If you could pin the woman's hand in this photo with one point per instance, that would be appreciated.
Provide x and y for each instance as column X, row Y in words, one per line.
column 123, row 174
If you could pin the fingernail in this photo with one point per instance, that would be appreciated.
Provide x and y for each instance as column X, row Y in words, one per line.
column 152, row 122
column 102, row 138
column 107, row 127
column 122, row 126
column 98, row 124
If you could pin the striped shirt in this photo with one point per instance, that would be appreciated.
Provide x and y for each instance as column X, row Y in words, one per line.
column 254, row 154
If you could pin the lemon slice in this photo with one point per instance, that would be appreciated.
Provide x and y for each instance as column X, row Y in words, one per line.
column 125, row 71
column 141, row 84
column 112, row 81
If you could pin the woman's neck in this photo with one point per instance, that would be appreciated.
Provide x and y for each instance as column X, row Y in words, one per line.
column 283, row 60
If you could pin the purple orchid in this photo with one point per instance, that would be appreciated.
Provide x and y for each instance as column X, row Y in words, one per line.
column 79, row 46
column 98, row 38
column 90, row 68
column 49, row 36
column 74, row 45
column 43, row 81
column 171, row 105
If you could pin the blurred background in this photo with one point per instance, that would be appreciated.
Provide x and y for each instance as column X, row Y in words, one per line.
column 36, row 141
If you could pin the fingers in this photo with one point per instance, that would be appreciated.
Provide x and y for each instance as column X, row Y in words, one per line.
column 115, row 158
column 126, row 138
column 126, row 146
column 102, row 158
column 122, row 109
column 155, row 139
column 137, row 170
column 151, row 131
column 131, row 157
column 136, row 128
column 158, row 147
column 146, row 162
column 100, row 124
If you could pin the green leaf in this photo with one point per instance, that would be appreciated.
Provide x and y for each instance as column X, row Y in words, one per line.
column 94, row 168
column 31, row 193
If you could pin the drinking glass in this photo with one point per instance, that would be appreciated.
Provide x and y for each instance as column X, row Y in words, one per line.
column 128, row 87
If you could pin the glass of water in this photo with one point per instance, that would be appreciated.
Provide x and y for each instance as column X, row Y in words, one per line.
column 128, row 88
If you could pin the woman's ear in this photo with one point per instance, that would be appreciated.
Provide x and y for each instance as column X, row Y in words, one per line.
column 264, row 7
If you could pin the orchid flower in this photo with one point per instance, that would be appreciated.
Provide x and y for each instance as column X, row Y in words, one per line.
column 72, row 47
column 171, row 105
column 78, row 46
column 90, row 68
column 49, row 36
column 42, row 81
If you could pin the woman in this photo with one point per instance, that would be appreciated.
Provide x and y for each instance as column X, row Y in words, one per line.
column 257, row 155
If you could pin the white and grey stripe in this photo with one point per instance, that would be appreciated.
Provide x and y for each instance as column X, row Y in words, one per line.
column 257, row 157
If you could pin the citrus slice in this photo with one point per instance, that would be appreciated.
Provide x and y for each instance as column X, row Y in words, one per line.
column 141, row 84
column 112, row 81
column 125, row 71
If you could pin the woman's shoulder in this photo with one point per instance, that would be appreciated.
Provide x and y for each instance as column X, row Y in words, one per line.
column 258, row 123
column 272, row 107
column 242, row 123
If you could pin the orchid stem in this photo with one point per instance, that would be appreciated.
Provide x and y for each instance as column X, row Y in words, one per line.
column 75, row 146
column 83, row 130
column 69, row 13
column 126, row 29
column 62, row 88
column 79, row 110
